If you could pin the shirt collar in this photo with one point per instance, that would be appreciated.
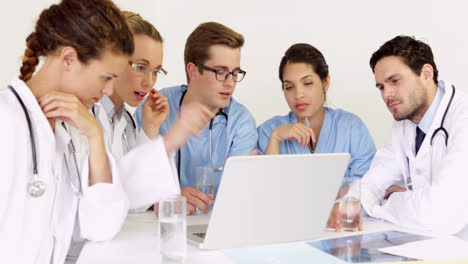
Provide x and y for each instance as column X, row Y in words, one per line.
column 108, row 106
column 184, row 89
column 428, row 118
column 62, row 136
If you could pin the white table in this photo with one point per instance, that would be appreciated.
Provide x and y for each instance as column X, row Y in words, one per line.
column 137, row 242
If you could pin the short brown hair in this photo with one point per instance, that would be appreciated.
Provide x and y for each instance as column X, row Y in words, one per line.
column 206, row 35
column 139, row 26
column 414, row 53
column 89, row 26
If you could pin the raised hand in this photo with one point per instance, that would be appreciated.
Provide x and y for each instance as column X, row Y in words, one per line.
column 155, row 110
column 67, row 107
column 196, row 198
column 300, row 132
column 192, row 118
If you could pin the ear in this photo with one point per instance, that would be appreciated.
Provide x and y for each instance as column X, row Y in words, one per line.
column 192, row 71
column 326, row 84
column 68, row 58
column 427, row 72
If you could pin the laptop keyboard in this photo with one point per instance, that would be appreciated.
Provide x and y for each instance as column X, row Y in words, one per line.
column 202, row 235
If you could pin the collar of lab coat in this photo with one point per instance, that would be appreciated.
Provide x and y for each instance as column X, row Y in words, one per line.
column 114, row 130
column 34, row 109
column 62, row 137
column 108, row 107
column 102, row 110
column 410, row 127
column 428, row 118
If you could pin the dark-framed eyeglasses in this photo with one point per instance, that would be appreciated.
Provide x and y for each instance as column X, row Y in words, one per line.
column 223, row 74
column 143, row 70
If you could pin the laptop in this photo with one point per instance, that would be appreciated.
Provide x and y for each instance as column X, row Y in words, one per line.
column 271, row 199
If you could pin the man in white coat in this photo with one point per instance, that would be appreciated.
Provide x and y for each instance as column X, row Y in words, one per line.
column 419, row 178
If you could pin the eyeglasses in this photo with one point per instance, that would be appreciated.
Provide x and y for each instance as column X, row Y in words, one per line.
column 223, row 74
column 143, row 70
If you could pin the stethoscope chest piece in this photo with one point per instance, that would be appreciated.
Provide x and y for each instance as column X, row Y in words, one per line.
column 36, row 187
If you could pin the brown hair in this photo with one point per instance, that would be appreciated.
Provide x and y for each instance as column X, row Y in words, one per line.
column 305, row 53
column 140, row 26
column 89, row 26
column 414, row 53
column 205, row 36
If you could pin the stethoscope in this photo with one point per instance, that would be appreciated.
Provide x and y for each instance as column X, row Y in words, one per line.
column 440, row 129
column 129, row 117
column 36, row 187
column 221, row 168
column 125, row 130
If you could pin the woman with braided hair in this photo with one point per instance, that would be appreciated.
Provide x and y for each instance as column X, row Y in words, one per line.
column 57, row 179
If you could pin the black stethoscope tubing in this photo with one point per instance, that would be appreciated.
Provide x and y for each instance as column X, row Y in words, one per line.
column 125, row 130
column 36, row 187
column 439, row 129
column 126, row 111
column 220, row 112
column 31, row 135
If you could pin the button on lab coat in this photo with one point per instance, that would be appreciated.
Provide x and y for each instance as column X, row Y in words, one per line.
column 438, row 173
column 39, row 230
column 148, row 173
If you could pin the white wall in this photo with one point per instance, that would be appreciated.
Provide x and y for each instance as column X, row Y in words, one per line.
column 347, row 32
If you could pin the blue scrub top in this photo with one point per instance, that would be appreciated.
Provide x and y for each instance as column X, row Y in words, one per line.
column 238, row 137
column 341, row 132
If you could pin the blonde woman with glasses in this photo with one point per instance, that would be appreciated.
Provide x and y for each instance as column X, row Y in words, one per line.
column 144, row 158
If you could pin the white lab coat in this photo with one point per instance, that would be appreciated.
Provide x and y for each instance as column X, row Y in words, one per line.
column 148, row 173
column 39, row 230
column 438, row 174
column 114, row 130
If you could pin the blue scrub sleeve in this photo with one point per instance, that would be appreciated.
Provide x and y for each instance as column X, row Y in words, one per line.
column 362, row 150
column 245, row 137
column 264, row 134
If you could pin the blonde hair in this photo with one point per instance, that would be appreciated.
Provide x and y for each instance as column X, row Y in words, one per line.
column 140, row 26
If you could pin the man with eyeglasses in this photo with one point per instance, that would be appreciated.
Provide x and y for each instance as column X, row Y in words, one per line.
column 212, row 63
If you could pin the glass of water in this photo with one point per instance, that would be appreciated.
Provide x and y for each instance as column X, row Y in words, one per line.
column 173, row 229
column 205, row 183
column 350, row 204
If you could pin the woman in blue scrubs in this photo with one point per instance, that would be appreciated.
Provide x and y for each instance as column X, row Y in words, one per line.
column 310, row 127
